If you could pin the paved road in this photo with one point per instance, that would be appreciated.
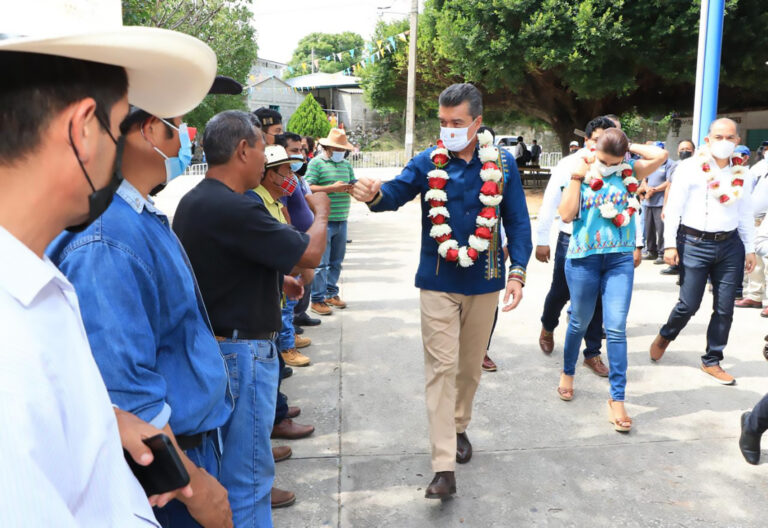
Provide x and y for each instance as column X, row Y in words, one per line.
column 538, row 461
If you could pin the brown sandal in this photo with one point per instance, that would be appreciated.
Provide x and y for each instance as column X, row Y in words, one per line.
column 622, row 424
column 565, row 394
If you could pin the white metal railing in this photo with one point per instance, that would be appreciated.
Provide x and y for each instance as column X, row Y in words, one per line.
column 199, row 169
column 372, row 160
column 549, row 159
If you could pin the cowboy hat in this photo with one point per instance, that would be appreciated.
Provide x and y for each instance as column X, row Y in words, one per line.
column 276, row 155
column 337, row 138
column 169, row 73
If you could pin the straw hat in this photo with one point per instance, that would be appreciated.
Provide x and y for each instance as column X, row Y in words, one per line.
column 276, row 155
column 169, row 73
column 337, row 138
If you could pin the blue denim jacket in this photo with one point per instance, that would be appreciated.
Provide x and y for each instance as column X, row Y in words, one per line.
column 150, row 339
column 463, row 189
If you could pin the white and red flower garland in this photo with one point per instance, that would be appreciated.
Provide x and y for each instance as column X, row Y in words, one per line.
column 490, row 197
column 728, row 192
column 609, row 210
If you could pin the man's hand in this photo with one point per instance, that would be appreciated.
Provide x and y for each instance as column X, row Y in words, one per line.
column 671, row 257
column 366, row 189
column 750, row 262
column 542, row 253
column 650, row 192
column 319, row 203
column 293, row 288
column 515, row 289
column 338, row 187
column 132, row 431
column 582, row 166
column 210, row 505
column 637, row 256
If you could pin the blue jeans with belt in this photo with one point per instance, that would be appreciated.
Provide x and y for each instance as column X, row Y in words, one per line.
column 609, row 276
column 559, row 296
column 207, row 456
column 721, row 261
column 248, row 469
column 326, row 283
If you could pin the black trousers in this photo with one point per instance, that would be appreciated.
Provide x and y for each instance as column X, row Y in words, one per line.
column 654, row 230
column 757, row 422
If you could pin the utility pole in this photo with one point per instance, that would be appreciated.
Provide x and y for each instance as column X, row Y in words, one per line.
column 410, row 110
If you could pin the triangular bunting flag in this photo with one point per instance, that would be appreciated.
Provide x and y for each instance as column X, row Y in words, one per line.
column 352, row 53
column 392, row 42
column 401, row 36
column 304, row 66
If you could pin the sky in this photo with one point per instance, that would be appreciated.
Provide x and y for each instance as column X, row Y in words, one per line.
column 280, row 24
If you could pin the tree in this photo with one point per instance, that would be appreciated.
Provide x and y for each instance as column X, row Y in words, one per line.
column 309, row 119
column 326, row 45
column 566, row 61
column 225, row 25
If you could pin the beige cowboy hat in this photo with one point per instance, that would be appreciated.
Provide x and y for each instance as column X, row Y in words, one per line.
column 337, row 138
column 276, row 155
column 169, row 73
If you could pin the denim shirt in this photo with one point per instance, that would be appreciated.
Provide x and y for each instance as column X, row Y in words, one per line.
column 463, row 189
column 148, row 333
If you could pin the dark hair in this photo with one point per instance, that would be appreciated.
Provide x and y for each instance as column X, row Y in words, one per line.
column 613, row 142
column 489, row 129
column 456, row 94
column 268, row 117
column 534, row 141
column 225, row 131
column 603, row 122
column 520, row 138
column 36, row 87
column 285, row 137
column 137, row 116
column 687, row 141
column 310, row 143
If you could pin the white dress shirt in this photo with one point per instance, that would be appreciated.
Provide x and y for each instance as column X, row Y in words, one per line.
column 63, row 463
column 759, row 176
column 693, row 204
column 560, row 178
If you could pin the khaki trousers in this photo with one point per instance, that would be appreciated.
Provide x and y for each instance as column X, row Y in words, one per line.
column 455, row 329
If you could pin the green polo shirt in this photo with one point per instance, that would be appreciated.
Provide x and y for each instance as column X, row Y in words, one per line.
column 322, row 172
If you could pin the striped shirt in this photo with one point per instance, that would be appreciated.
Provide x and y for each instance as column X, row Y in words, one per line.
column 323, row 172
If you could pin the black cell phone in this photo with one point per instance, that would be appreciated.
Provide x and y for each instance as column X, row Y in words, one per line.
column 352, row 181
column 165, row 473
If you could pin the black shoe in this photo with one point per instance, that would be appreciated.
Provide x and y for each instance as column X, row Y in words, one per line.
column 670, row 270
column 659, row 260
column 650, row 256
column 298, row 330
column 305, row 320
column 349, row 241
column 442, row 486
column 749, row 443
column 286, row 373
column 463, row 448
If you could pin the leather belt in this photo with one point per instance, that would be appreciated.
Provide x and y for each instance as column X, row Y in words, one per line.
column 705, row 235
column 187, row 442
column 225, row 335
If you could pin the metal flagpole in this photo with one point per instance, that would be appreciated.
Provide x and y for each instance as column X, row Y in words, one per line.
column 708, row 67
column 410, row 111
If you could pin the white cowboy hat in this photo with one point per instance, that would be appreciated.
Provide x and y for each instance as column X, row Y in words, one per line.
column 169, row 73
column 336, row 138
column 276, row 155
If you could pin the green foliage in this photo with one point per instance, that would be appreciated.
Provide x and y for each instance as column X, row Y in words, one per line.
column 325, row 44
column 225, row 25
column 309, row 119
column 566, row 61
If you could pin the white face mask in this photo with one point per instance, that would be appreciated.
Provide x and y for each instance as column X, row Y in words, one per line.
column 455, row 139
column 722, row 149
column 605, row 170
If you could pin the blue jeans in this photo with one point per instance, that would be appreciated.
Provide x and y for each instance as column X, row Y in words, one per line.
column 247, row 466
column 723, row 262
column 559, row 296
column 327, row 275
column 608, row 276
column 286, row 340
column 207, row 456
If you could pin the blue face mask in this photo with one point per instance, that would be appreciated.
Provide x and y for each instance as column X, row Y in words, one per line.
column 177, row 165
column 337, row 156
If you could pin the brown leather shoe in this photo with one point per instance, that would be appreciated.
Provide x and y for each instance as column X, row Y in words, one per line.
column 280, row 453
column 489, row 365
column 301, row 341
column 320, row 308
column 658, row 347
column 748, row 303
column 282, row 499
column 596, row 365
column 717, row 372
column 442, row 486
column 336, row 302
column 463, row 448
column 294, row 358
column 290, row 430
column 547, row 341
column 293, row 412
column 764, row 312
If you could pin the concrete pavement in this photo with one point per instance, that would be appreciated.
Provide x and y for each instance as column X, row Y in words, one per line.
column 537, row 461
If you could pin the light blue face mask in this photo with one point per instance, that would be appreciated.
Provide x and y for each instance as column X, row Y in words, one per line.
column 337, row 156
column 177, row 165
column 296, row 165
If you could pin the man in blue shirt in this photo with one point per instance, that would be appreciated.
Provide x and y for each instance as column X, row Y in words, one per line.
column 459, row 277
column 655, row 186
column 146, row 323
